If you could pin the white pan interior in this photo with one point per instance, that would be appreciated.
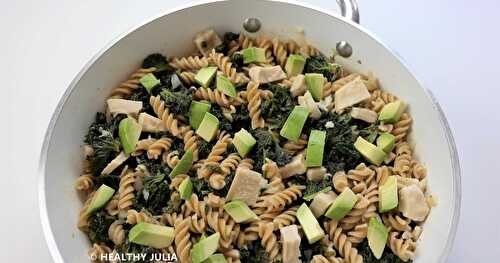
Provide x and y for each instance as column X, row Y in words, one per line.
column 169, row 34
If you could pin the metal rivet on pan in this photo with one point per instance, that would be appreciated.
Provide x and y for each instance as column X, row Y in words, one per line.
column 344, row 49
column 252, row 24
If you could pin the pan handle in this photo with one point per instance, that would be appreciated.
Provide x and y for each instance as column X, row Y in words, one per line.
column 349, row 9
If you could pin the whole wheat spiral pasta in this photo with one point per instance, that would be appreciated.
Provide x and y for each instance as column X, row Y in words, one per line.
column 116, row 233
column 271, row 168
column 214, row 96
column 127, row 87
column 187, row 77
column 182, row 243
column 225, row 65
column 189, row 63
column 254, row 101
column 342, row 243
column 99, row 251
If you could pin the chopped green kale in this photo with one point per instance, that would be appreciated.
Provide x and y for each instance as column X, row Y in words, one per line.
column 102, row 136
column 254, row 253
column 276, row 110
column 224, row 47
column 320, row 64
column 267, row 146
column 224, row 123
column 129, row 248
column 387, row 256
column 237, row 60
column 111, row 180
column 98, row 227
column 155, row 194
column 178, row 102
column 201, row 187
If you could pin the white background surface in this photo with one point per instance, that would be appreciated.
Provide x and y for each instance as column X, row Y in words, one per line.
column 452, row 45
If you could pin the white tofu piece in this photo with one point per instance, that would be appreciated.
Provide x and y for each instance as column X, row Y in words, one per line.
column 207, row 40
column 412, row 203
column 351, row 93
column 266, row 74
column 119, row 159
column 290, row 239
column 316, row 174
column 298, row 85
column 307, row 101
column 321, row 202
column 150, row 123
column 364, row 114
column 295, row 167
column 246, row 186
column 129, row 107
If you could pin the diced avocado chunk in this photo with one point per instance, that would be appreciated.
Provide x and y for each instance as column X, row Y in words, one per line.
column 253, row 54
column 386, row 142
column 149, row 81
column 342, row 205
column 309, row 224
column 208, row 127
column 240, row 212
column 100, row 198
column 294, row 65
column 197, row 111
column 315, row 148
column 205, row 248
column 183, row 165
column 377, row 237
column 371, row 152
column 391, row 112
column 294, row 123
column 186, row 189
column 129, row 132
column 216, row 258
column 152, row 235
column 205, row 76
column 243, row 142
column 225, row 86
column 315, row 83
column 388, row 194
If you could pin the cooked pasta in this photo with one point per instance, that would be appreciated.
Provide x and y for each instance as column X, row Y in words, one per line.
column 128, row 87
column 251, row 152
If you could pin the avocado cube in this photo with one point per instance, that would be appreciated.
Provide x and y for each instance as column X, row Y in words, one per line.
column 225, row 86
column 243, row 142
column 253, row 55
column 240, row 212
column 205, row 76
column 342, row 205
column 149, row 81
column 315, row 148
column 391, row 112
column 315, row 83
column 100, row 198
column 208, row 127
column 186, row 189
column 388, row 194
column 183, row 165
column 216, row 258
column 205, row 248
column 294, row 123
column 294, row 65
column 197, row 111
column 377, row 237
column 309, row 224
column 152, row 235
column 371, row 152
column 386, row 142
column 129, row 132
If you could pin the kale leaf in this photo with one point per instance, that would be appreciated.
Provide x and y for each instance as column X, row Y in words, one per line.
column 254, row 253
column 387, row 256
column 155, row 194
column 111, row 180
column 224, row 46
column 178, row 102
column 314, row 187
column 102, row 137
column 307, row 250
column 98, row 227
column 224, row 123
column 267, row 146
column 320, row 64
column 237, row 60
column 276, row 110
column 201, row 187
column 156, row 60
